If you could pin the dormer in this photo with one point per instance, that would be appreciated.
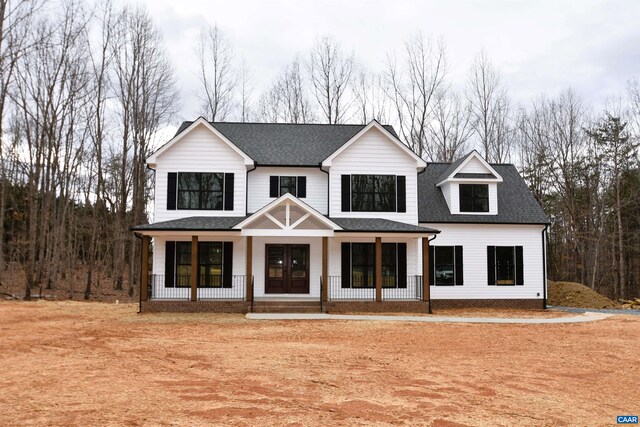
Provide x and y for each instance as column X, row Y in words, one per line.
column 470, row 186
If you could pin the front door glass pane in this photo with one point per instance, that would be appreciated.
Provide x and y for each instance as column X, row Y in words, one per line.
column 298, row 262
column 275, row 266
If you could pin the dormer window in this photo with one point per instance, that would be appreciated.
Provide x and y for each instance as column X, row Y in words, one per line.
column 474, row 198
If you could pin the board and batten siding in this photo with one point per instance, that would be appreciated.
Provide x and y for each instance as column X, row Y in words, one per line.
column 374, row 154
column 258, row 188
column 199, row 151
column 474, row 238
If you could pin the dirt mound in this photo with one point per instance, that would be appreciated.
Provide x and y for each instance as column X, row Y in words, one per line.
column 572, row 294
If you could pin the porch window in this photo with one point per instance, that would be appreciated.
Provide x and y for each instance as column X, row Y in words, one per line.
column 474, row 198
column 200, row 191
column 360, row 267
column 215, row 264
column 446, row 265
column 294, row 185
column 505, row 265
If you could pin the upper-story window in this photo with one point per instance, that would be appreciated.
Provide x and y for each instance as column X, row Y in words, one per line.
column 294, row 185
column 373, row 193
column 474, row 198
column 200, row 191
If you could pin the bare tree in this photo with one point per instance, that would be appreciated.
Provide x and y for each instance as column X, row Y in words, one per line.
column 287, row 99
column 217, row 76
column 246, row 92
column 15, row 22
column 370, row 99
column 412, row 87
column 332, row 73
column 490, row 106
column 450, row 129
column 146, row 94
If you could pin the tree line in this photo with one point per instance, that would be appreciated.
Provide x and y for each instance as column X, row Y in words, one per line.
column 84, row 91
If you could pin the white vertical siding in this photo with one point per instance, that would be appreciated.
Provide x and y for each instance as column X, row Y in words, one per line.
column 258, row 189
column 373, row 154
column 199, row 151
column 474, row 238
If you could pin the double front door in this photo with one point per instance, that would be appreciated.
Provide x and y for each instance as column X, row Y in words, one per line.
column 287, row 269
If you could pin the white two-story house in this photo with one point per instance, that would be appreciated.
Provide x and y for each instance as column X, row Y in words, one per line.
column 311, row 217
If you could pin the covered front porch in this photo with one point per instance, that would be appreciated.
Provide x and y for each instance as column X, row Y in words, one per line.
column 285, row 257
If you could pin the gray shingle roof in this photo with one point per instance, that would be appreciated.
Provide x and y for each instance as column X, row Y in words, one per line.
column 287, row 143
column 475, row 175
column 206, row 223
column 379, row 225
column 450, row 167
column 516, row 204
column 193, row 223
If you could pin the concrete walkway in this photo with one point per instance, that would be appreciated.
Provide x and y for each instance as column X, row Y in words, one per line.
column 586, row 317
column 629, row 311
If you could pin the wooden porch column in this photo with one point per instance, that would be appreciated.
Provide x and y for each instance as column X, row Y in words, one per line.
column 144, row 269
column 249, row 267
column 325, row 269
column 378, row 252
column 425, row 270
column 193, row 280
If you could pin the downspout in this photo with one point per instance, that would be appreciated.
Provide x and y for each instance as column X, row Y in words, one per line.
column 328, row 188
column 246, row 188
column 424, row 273
column 544, row 267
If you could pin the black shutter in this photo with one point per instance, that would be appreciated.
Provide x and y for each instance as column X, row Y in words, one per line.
column 302, row 187
column 274, row 183
column 346, row 265
column 519, row 267
column 346, row 193
column 169, row 264
column 172, row 190
column 227, row 264
column 228, row 191
column 491, row 265
column 402, row 264
column 458, row 264
column 432, row 267
column 401, row 193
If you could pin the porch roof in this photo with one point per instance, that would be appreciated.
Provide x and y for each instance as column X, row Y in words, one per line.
column 379, row 225
column 213, row 223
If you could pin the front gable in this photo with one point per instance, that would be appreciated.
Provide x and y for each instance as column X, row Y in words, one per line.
column 375, row 138
column 197, row 139
column 287, row 216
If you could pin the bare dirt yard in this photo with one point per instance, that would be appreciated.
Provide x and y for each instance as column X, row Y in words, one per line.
column 73, row 363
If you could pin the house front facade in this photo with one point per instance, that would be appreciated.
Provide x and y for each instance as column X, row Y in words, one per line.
column 311, row 217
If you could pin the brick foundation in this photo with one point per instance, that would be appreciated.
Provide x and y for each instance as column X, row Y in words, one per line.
column 376, row 307
column 157, row 306
column 487, row 303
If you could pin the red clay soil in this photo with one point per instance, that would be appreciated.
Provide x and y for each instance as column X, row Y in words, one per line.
column 71, row 363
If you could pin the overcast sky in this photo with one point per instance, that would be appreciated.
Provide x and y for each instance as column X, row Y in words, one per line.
column 539, row 46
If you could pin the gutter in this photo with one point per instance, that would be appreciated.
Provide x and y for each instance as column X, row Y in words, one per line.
column 246, row 187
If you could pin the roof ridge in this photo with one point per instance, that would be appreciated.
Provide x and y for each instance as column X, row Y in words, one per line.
column 294, row 124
